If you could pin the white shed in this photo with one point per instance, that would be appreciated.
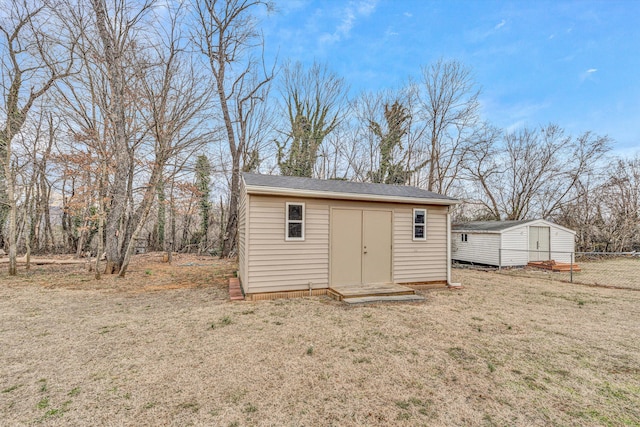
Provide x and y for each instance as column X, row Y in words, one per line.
column 511, row 243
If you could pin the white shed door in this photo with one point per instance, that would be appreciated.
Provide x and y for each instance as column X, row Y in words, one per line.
column 539, row 243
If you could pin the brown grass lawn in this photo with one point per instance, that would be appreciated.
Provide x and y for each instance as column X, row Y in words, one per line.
column 614, row 272
column 165, row 347
column 622, row 272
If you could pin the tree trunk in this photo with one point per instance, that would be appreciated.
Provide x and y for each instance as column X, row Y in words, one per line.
column 141, row 214
column 172, row 209
column 13, row 253
column 159, row 237
column 231, row 230
column 113, row 58
column 231, row 227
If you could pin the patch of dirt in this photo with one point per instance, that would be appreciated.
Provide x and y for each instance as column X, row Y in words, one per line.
column 147, row 272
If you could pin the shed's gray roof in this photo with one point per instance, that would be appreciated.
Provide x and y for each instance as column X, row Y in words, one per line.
column 488, row 225
column 343, row 187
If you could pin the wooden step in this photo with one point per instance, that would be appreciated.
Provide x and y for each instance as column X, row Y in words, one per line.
column 343, row 292
column 333, row 294
column 560, row 267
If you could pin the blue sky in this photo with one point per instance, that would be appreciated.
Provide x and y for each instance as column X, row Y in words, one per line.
column 574, row 63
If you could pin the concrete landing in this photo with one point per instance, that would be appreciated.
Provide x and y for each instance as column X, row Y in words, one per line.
column 383, row 299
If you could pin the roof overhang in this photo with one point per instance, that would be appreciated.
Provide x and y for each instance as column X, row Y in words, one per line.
column 292, row 192
column 460, row 230
column 530, row 223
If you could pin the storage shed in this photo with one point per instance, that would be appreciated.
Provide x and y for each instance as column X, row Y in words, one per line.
column 301, row 236
column 511, row 243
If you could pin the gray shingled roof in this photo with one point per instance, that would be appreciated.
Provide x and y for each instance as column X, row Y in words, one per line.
column 487, row 225
column 339, row 186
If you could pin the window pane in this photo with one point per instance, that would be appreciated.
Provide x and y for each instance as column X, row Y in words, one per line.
column 418, row 231
column 295, row 212
column 419, row 217
column 295, row 230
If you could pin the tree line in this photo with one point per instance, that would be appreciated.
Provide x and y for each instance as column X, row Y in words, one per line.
column 131, row 121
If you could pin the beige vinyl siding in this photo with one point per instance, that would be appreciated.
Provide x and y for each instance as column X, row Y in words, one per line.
column 242, row 224
column 275, row 265
column 278, row 265
column 480, row 248
column 419, row 260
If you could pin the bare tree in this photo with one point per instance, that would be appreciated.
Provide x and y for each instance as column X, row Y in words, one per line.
column 137, row 105
column 481, row 170
column 83, row 149
column 116, row 32
column 32, row 61
column 226, row 35
column 584, row 213
column 33, row 154
column 449, row 108
column 621, row 206
column 175, row 95
column 338, row 154
column 315, row 101
column 531, row 173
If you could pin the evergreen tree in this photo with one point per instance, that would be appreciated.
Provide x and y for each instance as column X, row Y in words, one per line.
column 203, row 181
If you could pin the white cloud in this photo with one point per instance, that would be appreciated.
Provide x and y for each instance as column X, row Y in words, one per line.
column 408, row 14
column 390, row 32
column 327, row 38
column 347, row 23
column 350, row 15
column 366, row 8
column 291, row 6
column 515, row 126
column 588, row 75
column 480, row 34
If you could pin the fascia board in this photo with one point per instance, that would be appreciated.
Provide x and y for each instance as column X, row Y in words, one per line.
column 278, row 191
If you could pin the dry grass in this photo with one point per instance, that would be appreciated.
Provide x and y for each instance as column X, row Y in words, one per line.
column 612, row 272
column 502, row 351
column 624, row 272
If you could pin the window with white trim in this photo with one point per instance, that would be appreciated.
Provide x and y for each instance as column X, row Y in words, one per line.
column 294, row 227
column 419, row 224
column 464, row 237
